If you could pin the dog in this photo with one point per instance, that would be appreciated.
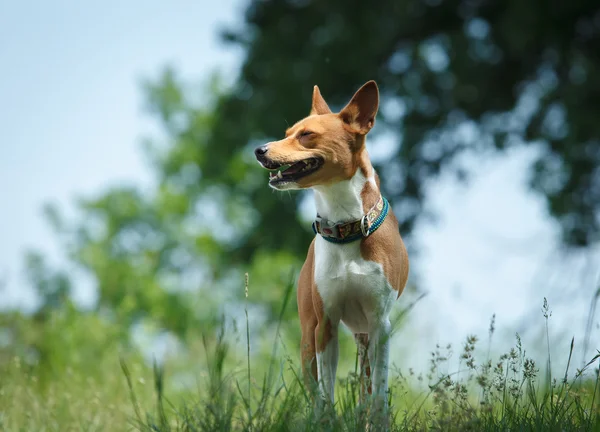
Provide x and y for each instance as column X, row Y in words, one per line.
column 357, row 264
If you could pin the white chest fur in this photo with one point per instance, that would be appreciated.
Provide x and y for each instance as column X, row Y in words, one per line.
column 353, row 289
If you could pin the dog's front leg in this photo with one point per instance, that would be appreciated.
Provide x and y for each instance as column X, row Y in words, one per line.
column 326, row 336
column 379, row 352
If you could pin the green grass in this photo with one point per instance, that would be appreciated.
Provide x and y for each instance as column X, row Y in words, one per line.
column 70, row 400
column 265, row 393
column 507, row 393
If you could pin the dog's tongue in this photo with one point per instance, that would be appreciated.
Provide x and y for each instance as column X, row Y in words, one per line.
column 294, row 168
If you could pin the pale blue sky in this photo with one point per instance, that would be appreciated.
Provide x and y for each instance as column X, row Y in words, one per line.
column 72, row 119
column 71, row 104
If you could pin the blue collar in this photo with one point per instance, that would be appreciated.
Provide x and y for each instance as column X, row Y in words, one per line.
column 347, row 232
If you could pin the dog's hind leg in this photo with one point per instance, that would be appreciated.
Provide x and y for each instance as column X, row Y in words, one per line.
column 362, row 346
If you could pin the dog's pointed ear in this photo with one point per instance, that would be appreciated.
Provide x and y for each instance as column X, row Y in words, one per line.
column 319, row 106
column 360, row 112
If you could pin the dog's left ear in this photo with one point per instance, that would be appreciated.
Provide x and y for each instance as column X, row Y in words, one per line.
column 361, row 110
column 319, row 106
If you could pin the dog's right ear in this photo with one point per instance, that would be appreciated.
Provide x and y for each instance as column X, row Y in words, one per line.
column 319, row 106
column 360, row 112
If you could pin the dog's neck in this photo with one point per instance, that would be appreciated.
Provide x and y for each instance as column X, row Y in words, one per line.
column 348, row 200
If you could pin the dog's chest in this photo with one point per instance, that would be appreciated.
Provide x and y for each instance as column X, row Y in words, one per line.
column 353, row 289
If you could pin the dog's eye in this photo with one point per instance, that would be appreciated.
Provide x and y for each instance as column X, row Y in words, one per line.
column 305, row 134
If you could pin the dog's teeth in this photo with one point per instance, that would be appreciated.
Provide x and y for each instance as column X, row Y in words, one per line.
column 279, row 174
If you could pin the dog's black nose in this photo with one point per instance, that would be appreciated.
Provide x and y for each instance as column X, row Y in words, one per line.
column 261, row 150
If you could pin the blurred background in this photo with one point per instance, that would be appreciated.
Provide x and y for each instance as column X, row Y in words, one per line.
column 132, row 204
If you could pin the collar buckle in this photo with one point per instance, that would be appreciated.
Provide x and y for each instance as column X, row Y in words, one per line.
column 365, row 226
column 327, row 228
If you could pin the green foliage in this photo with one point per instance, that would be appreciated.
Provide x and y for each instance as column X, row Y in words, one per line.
column 62, row 338
column 169, row 254
column 454, row 76
column 58, row 335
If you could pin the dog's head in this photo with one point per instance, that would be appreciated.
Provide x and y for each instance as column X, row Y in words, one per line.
column 324, row 147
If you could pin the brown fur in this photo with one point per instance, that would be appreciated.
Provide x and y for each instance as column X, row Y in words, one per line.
column 385, row 245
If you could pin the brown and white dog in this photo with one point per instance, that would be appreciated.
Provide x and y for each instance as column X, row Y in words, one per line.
column 357, row 264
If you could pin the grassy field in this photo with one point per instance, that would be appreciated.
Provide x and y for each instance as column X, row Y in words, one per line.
column 510, row 392
column 505, row 394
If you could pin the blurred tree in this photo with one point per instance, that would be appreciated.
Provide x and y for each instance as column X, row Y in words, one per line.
column 158, row 256
column 57, row 335
column 161, row 256
column 454, row 75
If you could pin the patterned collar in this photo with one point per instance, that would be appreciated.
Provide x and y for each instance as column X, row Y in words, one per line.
column 346, row 232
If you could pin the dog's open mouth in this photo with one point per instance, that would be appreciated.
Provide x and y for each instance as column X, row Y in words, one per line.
column 295, row 171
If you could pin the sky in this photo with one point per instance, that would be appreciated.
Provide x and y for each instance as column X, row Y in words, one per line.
column 73, row 118
column 72, row 108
